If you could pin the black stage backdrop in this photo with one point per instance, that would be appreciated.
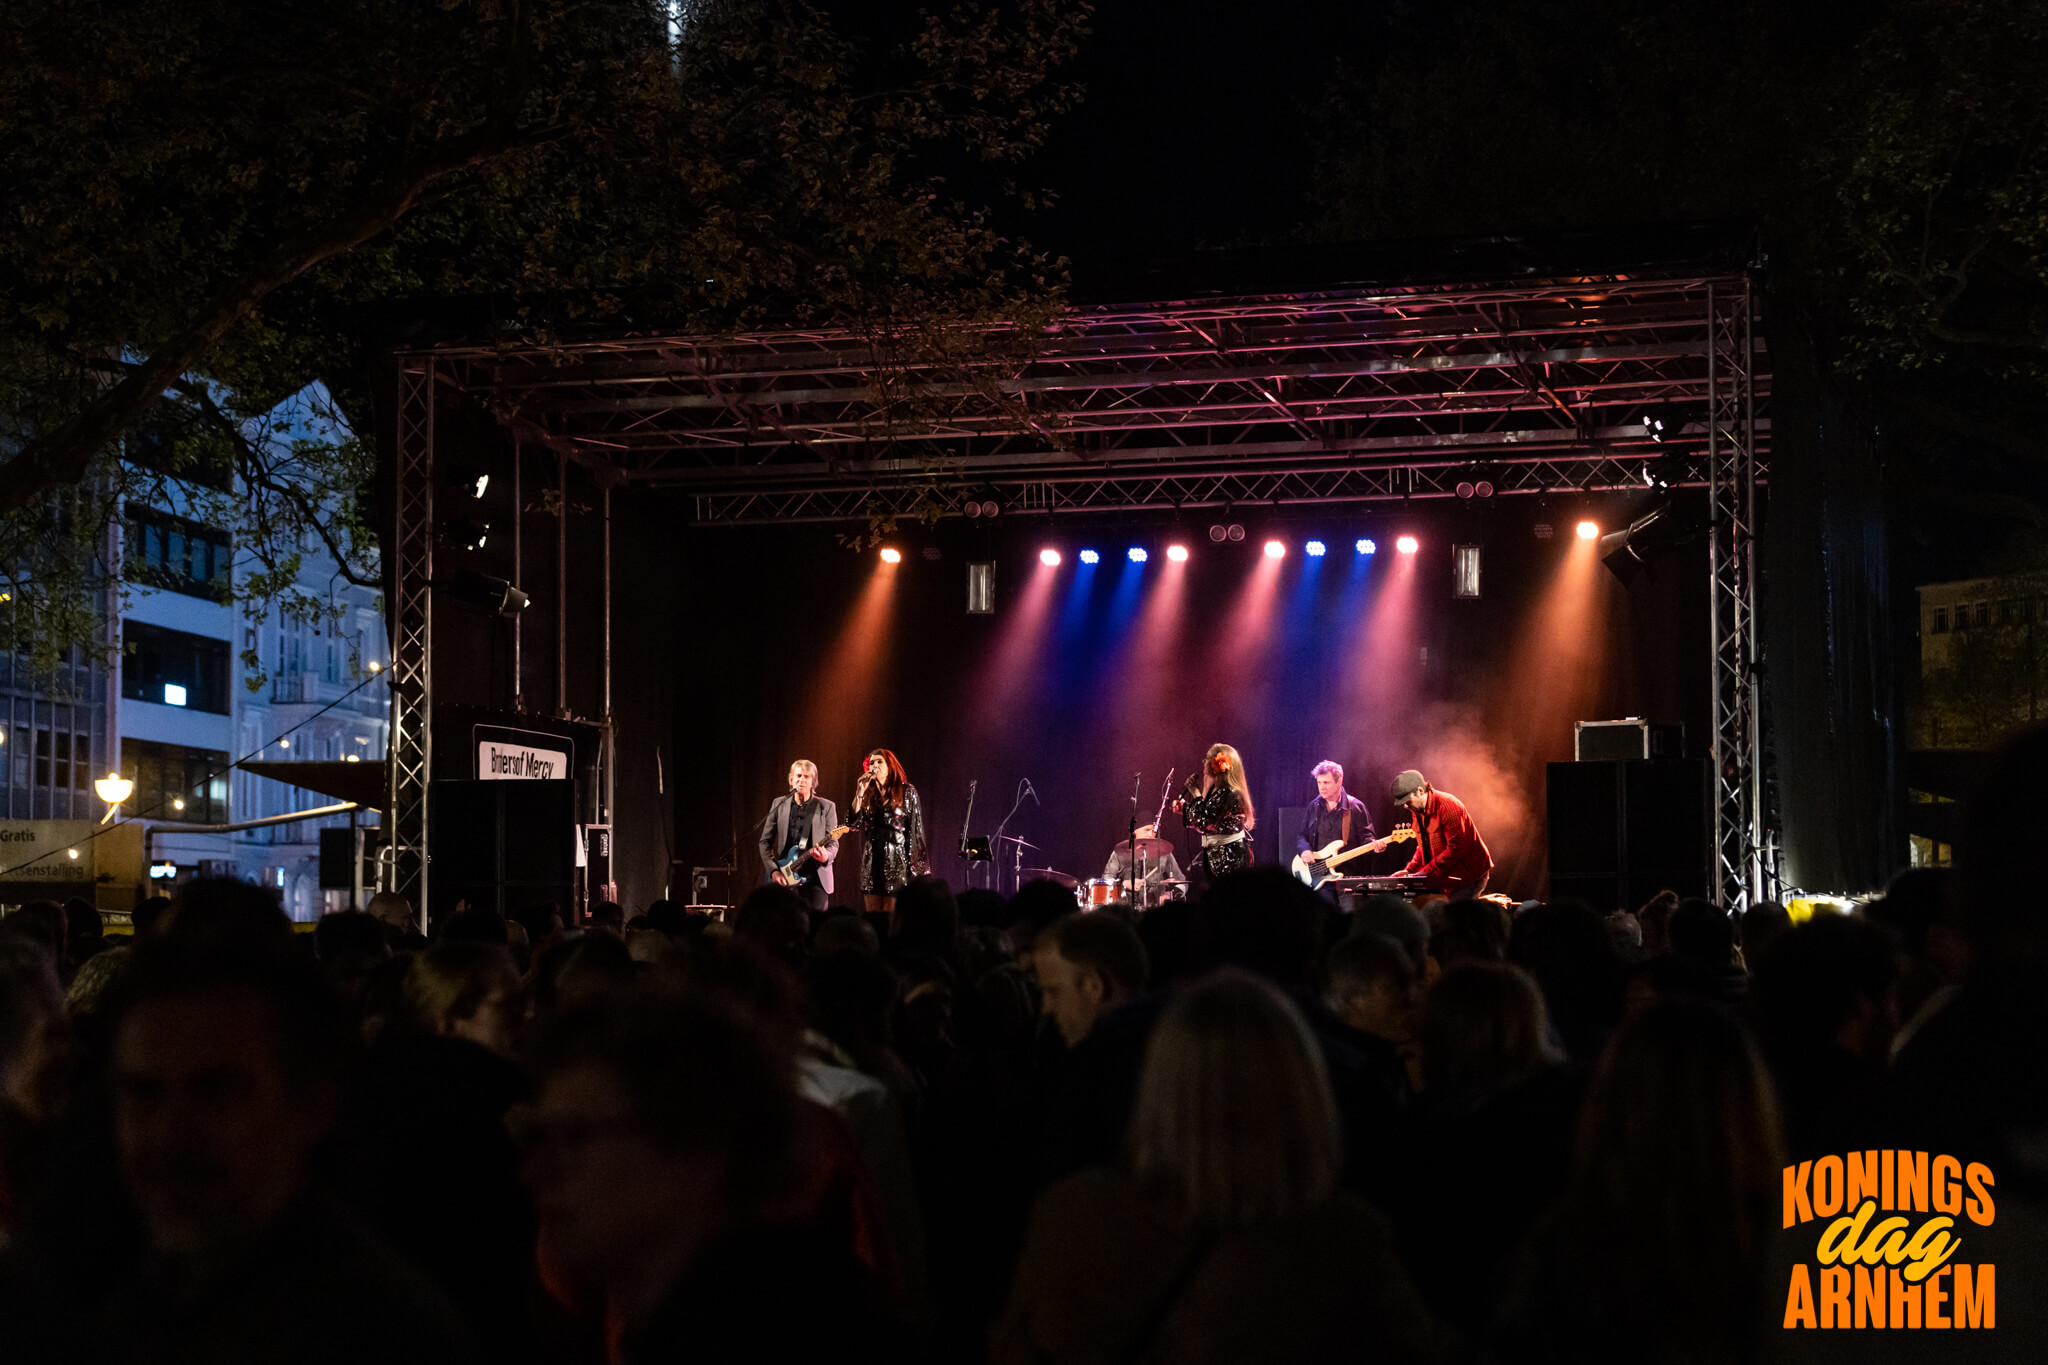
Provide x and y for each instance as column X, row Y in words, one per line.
column 794, row 645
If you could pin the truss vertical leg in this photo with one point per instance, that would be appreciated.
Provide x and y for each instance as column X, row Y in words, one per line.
column 1744, row 862
column 410, row 753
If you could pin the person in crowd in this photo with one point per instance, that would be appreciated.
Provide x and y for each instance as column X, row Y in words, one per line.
column 85, row 931
column 35, row 1030
column 1372, row 996
column 799, row 838
column 661, row 1150
column 1449, row 853
column 1762, row 925
column 1037, row 906
column 399, row 919
column 1470, row 931
column 1920, row 911
column 844, row 931
column 349, row 944
column 1566, row 948
column 1625, row 934
column 1216, row 803
column 608, row 917
column 1658, row 1249
column 1396, row 918
column 1701, row 931
column 441, row 1175
column 1490, row 1067
column 43, row 923
column 890, row 818
column 773, row 916
column 145, row 916
column 226, row 1077
column 1087, row 966
column 1091, row 974
column 95, row 981
column 1220, row 1233
column 1655, row 916
column 1825, row 1015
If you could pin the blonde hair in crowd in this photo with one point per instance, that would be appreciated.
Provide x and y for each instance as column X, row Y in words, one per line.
column 1234, row 1116
column 1234, row 775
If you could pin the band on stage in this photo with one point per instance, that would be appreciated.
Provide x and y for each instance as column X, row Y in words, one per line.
column 799, row 839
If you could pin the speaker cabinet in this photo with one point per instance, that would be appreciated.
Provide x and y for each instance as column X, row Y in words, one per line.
column 1620, row 832
column 504, row 845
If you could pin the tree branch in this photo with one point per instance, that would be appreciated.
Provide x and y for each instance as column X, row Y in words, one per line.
column 61, row 457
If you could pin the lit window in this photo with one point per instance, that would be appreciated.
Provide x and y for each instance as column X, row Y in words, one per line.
column 174, row 695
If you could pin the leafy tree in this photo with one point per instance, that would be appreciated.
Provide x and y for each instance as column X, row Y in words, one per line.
column 208, row 206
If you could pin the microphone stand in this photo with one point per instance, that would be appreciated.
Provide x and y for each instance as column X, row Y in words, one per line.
column 1017, row 878
column 1131, row 849
column 966, row 825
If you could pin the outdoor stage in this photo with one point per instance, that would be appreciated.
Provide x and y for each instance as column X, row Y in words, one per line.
column 745, row 603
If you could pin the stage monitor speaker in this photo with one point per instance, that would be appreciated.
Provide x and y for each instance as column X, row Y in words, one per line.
column 337, row 846
column 1620, row 832
column 502, row 845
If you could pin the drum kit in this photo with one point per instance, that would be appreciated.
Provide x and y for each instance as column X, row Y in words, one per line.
column 1144, row 884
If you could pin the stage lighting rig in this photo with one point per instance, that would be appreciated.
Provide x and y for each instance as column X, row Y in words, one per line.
column 1366, row 547
column 1090, row 557
column 1049, row 557
column 1407, row 545
column 1315, row 549
column 891, row 555
column 466, row 480
column 1637, row 547
column 1221, row 532
column 465, row 533
column 1275, row 549
column 1136, row 554
column 1177, row 553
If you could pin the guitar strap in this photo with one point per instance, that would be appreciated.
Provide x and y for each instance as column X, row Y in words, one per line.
column 1347, row 827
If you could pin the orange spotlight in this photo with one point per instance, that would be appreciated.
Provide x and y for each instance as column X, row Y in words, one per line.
column 1589, row 530
column 1407, row 545
column 1274, row 549
column 1177, row 553
column 1049, row 557
column 892, row 555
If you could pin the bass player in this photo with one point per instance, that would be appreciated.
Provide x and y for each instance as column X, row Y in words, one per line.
column 1336, row 819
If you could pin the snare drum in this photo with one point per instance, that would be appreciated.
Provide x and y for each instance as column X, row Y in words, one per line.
column 1102, row 891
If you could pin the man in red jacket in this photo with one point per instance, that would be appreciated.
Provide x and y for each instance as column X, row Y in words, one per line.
column 1448, row 849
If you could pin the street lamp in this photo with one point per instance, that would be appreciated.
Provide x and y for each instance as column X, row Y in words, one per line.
column 113, row 789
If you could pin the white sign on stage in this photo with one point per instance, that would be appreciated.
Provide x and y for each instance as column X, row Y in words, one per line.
column 500, row 760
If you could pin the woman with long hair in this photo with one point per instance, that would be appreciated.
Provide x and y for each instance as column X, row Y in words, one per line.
column 1222, row 1235
column 1217, row 804
column 891, row 821
column 1658, row 1251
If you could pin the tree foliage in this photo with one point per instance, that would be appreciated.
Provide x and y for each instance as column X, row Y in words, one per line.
column 208, row 206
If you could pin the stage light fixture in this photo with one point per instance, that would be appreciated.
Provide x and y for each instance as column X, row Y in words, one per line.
column 1219, row 533
column 989, row 507
column 1465, row 571
column 1366, row 547
column 1589, row 530
column 1050, row 558
column 1636, row 547
column 930, row 552
column 1315, row 548
column 1543, row 530
column 891, row 555
column 483, row 592
column 1136, row 554
column 1090, row 557
column 1177, row 553
column 970, row 508
column 467, row 480
column 1482, row 488
column 1407, row 545
column 1236, row 533
column 1464, row 489
column 1274, row 549
column 465, row 533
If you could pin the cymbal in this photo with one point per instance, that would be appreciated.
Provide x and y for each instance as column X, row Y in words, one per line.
column 1051, row 874
column 1151, row 849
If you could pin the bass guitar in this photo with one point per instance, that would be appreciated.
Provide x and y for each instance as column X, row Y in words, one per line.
column 1328, row 859
column 785, row 871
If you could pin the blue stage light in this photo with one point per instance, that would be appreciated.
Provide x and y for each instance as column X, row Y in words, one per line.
column 1366, row 547
column 1137, row 554
column 1314, row 547
column 1090, row 557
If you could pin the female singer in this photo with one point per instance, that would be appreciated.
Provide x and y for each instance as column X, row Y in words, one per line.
column 887, row 813
column 1221, row 812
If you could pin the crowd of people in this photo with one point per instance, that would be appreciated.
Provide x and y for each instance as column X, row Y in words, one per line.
column 1251, row 1127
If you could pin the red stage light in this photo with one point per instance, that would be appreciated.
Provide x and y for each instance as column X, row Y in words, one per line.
column 1589, row 530
column 1050, row 558
column 1177, row 553
column 1274, row 549
column 892, row 555
column 1407, row 545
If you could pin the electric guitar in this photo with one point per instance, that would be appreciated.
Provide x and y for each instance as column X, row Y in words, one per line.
column 1328, row 858
column 785, row 872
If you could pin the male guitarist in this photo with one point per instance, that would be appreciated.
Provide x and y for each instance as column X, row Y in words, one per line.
column 1336, row 820
column 801, row 823
column 1449, row 853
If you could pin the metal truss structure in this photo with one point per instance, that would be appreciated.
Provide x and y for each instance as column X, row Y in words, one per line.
column 1354, row 394
column 409, row 757
column 1746, row 863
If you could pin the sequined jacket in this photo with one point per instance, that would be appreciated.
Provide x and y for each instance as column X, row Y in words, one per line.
column 894, row 848
column 1220, row 810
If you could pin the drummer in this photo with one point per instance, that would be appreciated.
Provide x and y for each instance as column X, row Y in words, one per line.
column 1155, row 861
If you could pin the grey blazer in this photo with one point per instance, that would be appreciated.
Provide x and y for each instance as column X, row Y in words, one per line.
column 775, row 833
